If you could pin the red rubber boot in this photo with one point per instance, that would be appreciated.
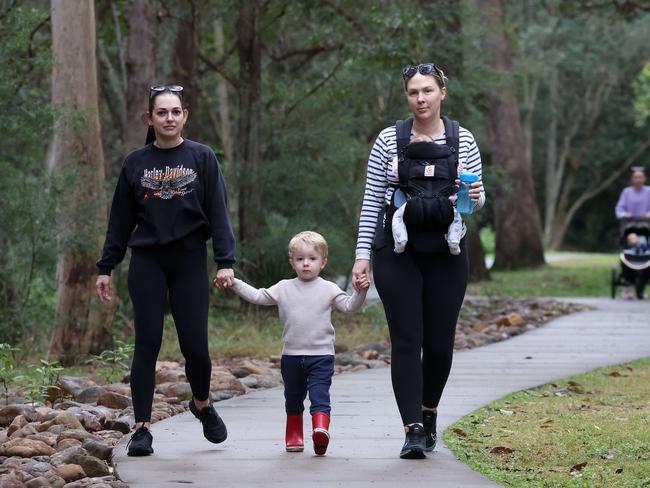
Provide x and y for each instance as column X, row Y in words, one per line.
column 320, row 422
column 294, row 437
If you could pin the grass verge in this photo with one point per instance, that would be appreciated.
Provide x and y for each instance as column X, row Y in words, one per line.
column 585, row 276
column 258, row 332
column 591, row 430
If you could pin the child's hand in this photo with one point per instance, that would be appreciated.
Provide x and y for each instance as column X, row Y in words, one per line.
column 225, row 279
column 363, row 282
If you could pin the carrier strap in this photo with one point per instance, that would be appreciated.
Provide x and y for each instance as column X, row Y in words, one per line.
column 403, row 130
column 452, row 134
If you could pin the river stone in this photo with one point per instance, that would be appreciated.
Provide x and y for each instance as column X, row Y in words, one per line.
column 73, row 385
column 47, row 437
column 64, row 418
column 10, row 412
column 121, row 388
column 28, row 429
column 181, row 390
column 56, row 481
column 349, row 359
column 118, row 425
column 250, row 381
column 217, row 396
column 70, row 472
column 78, row 434
column 253, row 368
column 114, row 400
column 170, row 376
column 227, row 383
column 67, row 443
column 158, row 415
column 91, row 465
column 37, row 468
column 25, row 448
column 376, row 363
column 64, row 457
column 98, row 449
column 90, row 394
column 90, row 422
column 18, row 423
column 40, row 482
column 12, row 480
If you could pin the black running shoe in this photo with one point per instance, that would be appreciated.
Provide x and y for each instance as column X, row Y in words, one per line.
column 140, row 443
column 415, row 444
column 430, row 436
column 214, row 429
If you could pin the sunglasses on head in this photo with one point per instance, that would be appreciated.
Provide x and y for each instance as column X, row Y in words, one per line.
column 163, row 88
column 423, row 69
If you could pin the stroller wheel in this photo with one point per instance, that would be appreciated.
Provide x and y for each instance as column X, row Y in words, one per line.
column 614, row 281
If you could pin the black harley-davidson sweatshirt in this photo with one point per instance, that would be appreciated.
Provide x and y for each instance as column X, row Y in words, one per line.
column 169, row 195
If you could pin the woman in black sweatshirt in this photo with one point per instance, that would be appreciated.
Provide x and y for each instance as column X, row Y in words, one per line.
column 170, row 198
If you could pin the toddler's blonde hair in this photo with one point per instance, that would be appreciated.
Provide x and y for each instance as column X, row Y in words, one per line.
column 311, row 239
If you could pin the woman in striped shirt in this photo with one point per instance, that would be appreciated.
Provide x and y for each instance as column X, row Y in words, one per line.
column 421, row 292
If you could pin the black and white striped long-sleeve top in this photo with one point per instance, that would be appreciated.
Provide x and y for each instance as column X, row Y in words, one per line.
column 380, row 176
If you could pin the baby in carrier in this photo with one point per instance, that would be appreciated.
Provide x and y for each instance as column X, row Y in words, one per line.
column 400, row 235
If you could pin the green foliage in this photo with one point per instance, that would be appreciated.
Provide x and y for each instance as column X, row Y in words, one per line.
column 114, row 363
column 8, row 372
column 27, row 235
column 42, row 380
column 641, row 86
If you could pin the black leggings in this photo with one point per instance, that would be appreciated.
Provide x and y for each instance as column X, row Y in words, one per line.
column 422, row 295
column 153, row 273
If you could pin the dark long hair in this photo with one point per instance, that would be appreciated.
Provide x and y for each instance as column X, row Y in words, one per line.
column 151, row 133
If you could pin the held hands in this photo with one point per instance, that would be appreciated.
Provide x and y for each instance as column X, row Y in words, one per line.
column 103, row 287
column 225, row 279
column 361, row 274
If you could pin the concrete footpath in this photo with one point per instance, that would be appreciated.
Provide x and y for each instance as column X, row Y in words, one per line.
column 366, row 430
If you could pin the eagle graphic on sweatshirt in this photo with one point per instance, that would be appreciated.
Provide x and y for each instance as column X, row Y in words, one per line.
column 168, row 184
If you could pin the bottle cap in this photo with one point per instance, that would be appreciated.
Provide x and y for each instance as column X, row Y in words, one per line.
column 468, row 177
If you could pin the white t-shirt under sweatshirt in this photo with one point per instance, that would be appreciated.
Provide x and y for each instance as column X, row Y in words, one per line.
column 305, row 309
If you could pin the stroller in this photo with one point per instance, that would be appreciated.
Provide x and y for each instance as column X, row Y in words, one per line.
column 635, row 260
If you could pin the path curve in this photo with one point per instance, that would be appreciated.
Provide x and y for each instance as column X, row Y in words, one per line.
column 366, row 435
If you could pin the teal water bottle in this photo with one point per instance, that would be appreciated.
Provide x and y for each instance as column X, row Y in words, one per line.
column 464, row 203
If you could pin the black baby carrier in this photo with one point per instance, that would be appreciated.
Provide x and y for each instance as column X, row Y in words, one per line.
column 427, row 173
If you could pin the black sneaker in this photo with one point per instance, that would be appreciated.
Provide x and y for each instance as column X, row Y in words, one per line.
column 430, row 436
column 214, row 429
column 415, row 444
column 140, row 443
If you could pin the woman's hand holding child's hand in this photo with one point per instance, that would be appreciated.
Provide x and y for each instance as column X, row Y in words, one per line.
column 225, row 279
column 363, row 283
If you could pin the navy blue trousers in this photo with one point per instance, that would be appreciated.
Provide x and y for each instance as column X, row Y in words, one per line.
column 307, row 374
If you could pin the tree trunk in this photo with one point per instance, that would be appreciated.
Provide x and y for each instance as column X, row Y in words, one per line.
column 82, row 326
column 184, row 67
column 248, row 137
column 478, row 271
column 225, row 129
column 140, row 68
column 552, row 178
column 518, row 227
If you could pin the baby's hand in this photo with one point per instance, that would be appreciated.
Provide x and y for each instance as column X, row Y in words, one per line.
column 420, row 138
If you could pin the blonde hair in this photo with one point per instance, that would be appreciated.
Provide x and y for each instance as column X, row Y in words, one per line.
column 311, row 239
